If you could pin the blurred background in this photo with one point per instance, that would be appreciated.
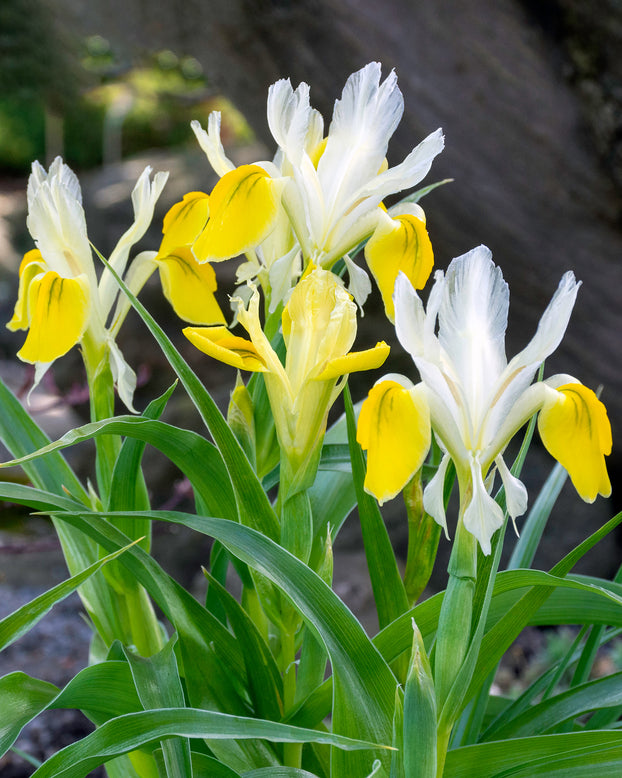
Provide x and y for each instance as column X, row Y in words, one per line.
column 529, row 95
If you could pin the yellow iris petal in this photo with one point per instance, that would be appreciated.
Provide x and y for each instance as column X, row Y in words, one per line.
column 58, row 310
column 370, row 359
column 243, row 209
column 403, row 247
column 219, row 343
column 189, row 287
column 394, row 429
column 576, row 431
column 31, row 265
column 184, row 222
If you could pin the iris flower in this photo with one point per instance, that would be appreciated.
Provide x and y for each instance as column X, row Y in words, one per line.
column 321, row 195
column 319, row 328
column 61, row 302
column 475, row 400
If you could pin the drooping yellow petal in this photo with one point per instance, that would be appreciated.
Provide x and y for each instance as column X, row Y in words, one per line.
column 31, row 265
column 189, row 287
column 219, row 343
column 401, row 245
column 370, row 359
column 58, row 310
column 184, row 222
column 394, row 429
column 243, row 209
column 576, row 431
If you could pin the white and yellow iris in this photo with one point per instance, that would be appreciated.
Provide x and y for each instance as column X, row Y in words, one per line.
column 319, row 328
column 61, row 302
column 475, row 401
column 322, row 195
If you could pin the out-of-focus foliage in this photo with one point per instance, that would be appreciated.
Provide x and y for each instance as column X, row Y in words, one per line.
column 105, row 107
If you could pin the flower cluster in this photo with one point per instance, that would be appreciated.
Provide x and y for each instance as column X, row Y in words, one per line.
column 475, row 400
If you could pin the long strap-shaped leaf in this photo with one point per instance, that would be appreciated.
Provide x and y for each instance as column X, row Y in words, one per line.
column 503, row 757
column 133, row 730
column 364, row 686
column 255, row 508
column 196, row 457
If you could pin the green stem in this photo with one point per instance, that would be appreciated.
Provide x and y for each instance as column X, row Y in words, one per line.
column 292, row 752
column 455, row 619
column 101, row 399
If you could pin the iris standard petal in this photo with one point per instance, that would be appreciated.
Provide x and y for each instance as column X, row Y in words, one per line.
column 575, row 429
column 394, row 429
column 219, row 343
column 184, row 222
column 399, row 245
column 189, row 287
column 243, row 209
column 58, row 310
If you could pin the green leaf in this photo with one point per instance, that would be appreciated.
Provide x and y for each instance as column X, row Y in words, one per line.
column 202, row 637
column 158, row 685
column 278, row 772
column 23, row 619
column 23, row 698
column 203, row 765
column 364, row 686
column 264, row 680
column 255, row 508
column 531, row 532
column 198, row 459
column 419, row 740
column 128, row 490
column 21, row 435
column 102, row 692
column 387, row 585
column 133, row 730
column 538, row 719
column 502, row 757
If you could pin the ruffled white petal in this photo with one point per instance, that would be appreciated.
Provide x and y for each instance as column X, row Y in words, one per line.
column 552, row 325
column 516, row 498
column 211, row 144
column 363, row 121
column 123, row 375
column 360, row 285
column 409, row 172
column 144, row 198
column 482, row 517
column 472, row 321
column 282, row 274
column 433, row 495
column 289, row 118
column 56, row 221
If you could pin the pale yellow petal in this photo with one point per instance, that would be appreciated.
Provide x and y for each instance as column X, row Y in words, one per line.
column 58, row 310
column 576, row 431
column 219, row 343
column 355, row 361
column 403, row 247
column 243, row 209
column 31, row 265
column 394, row 429
column 189, row 287
column 184, row 222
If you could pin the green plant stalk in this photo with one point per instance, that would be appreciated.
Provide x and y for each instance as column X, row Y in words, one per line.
column 292, row 752
column 423, row 538
column 139, row 623
column 454, row 627
column 101, row 399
